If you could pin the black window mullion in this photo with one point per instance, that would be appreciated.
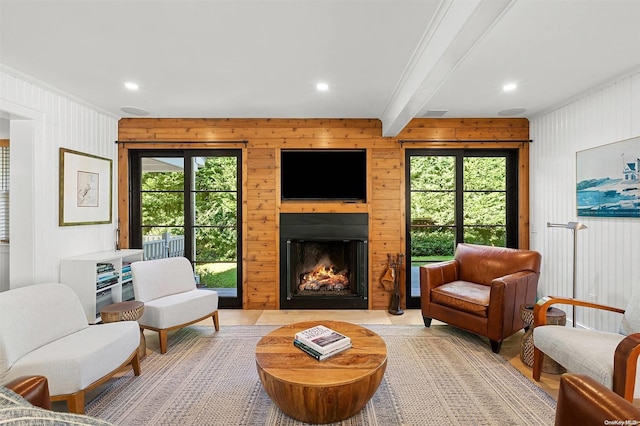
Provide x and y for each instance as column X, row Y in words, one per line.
column 459, row 188
column 188, row 206
column 512, row 199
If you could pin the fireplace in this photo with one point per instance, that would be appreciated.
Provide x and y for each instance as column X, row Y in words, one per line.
column 324, row 260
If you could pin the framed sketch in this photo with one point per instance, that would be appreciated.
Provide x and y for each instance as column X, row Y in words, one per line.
column 85, row 189
column 608, row 180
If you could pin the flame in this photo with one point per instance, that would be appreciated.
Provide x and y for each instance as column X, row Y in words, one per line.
column 324, row 277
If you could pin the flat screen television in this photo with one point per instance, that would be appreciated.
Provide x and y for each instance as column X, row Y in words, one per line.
column 323, row 174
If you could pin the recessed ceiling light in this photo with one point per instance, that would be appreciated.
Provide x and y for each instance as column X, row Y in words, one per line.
column 323, row 87
column 131, row 86
column 509, row 87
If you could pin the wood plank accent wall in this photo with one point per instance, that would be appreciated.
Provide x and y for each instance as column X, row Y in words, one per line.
column 261, row 141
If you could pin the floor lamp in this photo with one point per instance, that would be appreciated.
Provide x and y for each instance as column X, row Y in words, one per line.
column 574, row 226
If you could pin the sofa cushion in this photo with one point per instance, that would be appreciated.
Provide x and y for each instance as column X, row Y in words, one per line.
column 168, row 279
column 463, row 296
column 35, row 315
column 179, row 308
column 596, row 349
column 76, row 361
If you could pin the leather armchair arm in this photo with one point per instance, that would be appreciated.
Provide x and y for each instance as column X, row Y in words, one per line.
column 436, row 274
column 584, row 401
column 625, row 364
column 515, row 279
column 34, row 389
column 540, row 309
column 432, row 276
column 507, row 294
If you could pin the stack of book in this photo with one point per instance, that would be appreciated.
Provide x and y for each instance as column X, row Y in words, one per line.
column 321, row 342
column 107, row 275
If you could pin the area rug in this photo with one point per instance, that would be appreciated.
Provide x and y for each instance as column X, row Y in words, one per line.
column 435, row 376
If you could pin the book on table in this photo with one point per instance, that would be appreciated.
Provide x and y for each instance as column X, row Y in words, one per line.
column 318, row 355
column 322, row 339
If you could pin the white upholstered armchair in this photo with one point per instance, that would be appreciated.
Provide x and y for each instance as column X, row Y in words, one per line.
column 609, row 358
column 171, row 299
column 44, row 331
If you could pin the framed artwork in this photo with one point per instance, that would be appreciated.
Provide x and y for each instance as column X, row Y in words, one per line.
column 608, row 180
column 85, row 189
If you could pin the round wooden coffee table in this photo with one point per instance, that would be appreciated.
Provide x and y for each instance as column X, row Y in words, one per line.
column 326, row 391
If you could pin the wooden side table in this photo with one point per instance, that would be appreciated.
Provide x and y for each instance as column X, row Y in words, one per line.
column 554, row 317
column 126, row 311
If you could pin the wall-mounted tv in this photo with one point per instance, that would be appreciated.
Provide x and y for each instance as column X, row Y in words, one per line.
column 324, row 174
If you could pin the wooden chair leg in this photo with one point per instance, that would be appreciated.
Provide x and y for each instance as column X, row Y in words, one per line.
column 538, row 359
column 163, row 341
column 495, row 346
column 216, row 324
column 135, row 364
column 75, row 403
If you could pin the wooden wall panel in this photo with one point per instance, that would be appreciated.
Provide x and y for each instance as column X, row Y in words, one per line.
column 262, row 140
column 260, row 196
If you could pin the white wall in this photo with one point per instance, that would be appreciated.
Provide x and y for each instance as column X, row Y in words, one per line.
column 608, row 253
column 43, row 120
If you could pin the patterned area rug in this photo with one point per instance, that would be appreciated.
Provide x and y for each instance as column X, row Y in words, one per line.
column 435, row 376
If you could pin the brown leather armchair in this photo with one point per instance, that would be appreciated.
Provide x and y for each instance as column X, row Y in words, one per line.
column 584, row 401
column 481, row 290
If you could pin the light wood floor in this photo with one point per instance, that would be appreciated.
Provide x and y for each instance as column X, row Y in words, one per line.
column 510, row 347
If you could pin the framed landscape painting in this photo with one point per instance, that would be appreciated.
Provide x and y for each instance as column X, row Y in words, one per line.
column 608, row 180
column 85, row 188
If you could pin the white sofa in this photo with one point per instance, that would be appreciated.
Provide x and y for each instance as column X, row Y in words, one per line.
column 171, row 299
column 44, row 331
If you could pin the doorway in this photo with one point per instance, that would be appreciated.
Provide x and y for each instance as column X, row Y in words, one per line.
column 188, row 203
column 454, row 196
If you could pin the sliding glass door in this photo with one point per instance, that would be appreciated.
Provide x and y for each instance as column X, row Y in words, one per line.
column 457, row 196
column 187, row 203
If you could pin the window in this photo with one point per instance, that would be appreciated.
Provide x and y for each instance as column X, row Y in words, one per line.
column 458, row 196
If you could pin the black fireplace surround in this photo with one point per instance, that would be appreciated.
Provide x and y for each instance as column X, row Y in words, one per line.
column 336, row 245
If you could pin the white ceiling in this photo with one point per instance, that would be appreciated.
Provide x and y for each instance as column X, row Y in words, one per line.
column 387, row 59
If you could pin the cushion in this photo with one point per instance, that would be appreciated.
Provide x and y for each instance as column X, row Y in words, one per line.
column 157, row 278
column 463, row 296
column 76, row 361
column 582, row 351
column 35, row 315
column 178, row 309
column 631, row 319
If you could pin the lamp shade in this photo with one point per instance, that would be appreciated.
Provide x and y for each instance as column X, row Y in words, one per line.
column 575, row 225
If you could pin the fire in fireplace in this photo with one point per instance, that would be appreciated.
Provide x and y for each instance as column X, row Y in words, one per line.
column 324, row 278
column 323, row 261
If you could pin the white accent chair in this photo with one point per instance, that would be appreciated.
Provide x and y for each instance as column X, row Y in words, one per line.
column 44, row 331
column 171, row 299
column 609, row 358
